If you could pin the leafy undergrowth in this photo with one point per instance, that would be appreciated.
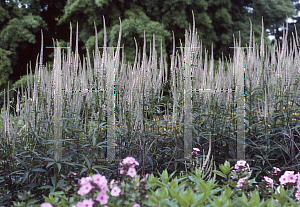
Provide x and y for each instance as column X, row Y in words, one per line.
column 189, row 189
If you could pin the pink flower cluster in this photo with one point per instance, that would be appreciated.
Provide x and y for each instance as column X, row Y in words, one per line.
column 242, row 182
column 98, row 185
column 46, row 205
column 87, row 184
column 289, row 178
column 128, row 167
column 242, row 165
column 242, row 168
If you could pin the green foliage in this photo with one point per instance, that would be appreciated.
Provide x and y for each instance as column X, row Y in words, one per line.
column 273, row 11
column 174, row 192
column 21, row 32
column 215, row 21
column 135, row 24
column 5, row 68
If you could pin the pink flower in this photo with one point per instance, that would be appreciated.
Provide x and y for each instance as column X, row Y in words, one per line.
column 46, row 205
column 269, row 181
column 297, row 194
column 240, row 163
column 277, row 190
column 298, row 185
column 104, row 188
column 283, row 180
column 292, row 178
column 131, row 172
column 115, row 191
column 86, row 203
column 99, row 180
column 287, row 173
column 130, row 161
column 276, row 169
column 84, row 180
column 112, row 182
column 136, row 205
column 241, row 182
column 102, row 198
column 85, row 189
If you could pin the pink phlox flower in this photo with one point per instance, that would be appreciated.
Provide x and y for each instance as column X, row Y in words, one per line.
column 102, row 198
column 122, row 171
column 297, row 194
column 278, row 189
column 287, row 173
column 46, row 205
column 85, row 189
column 86, row 203
column 247, row 167
column 241, row 182
column 130, row 161
column 99, row 180
column 112, row 182
column 269, row 181
column 297, row 176
column 298, row 185
column 276, row 169
column 283, row 180
column 104, row 188
column 241, row 163
column 131, row 172
column 115, row 191
column 292, row 178
column 136, row 205
column 79, row 204
column 196, row 149
column 84, row 180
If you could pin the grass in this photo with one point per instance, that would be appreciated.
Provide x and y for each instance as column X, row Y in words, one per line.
column 41, row 143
